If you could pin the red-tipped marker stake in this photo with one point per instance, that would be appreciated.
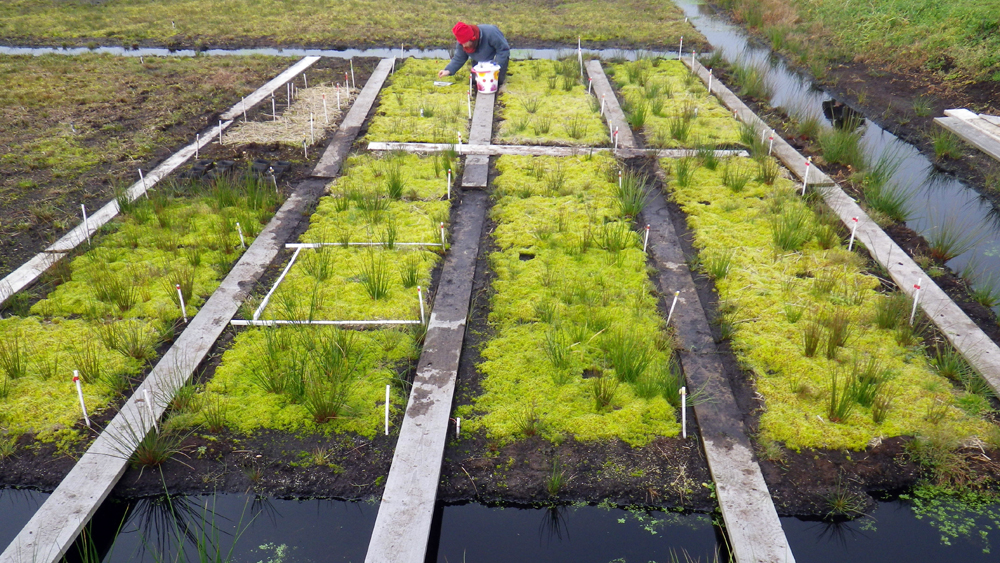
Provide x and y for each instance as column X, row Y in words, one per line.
column 916, row 299
column 645, row 240
column 180, row 296
column 449, row 183
column 770, row 145
column 79, row 392
column 590, row 85
column 854, row 229
column 442, row 235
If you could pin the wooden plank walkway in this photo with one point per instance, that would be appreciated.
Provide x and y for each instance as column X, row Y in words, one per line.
column 981, row 131
column 612, row 110
column 403, row 526
column 56, row 524
column 477, row 166
column 533, row 150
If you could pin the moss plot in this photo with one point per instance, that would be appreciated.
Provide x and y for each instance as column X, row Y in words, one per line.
column 571, row 278
column 278, row 378
column 413, row 109
column 766, row 289
column 676, row 108
column 119, row 300
column 545, row 103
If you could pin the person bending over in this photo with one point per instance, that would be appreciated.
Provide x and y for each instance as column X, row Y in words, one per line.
column 480, row 43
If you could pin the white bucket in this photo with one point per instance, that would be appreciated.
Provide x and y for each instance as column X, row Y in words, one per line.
column 487, row 75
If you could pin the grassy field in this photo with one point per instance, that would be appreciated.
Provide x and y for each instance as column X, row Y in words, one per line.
column 959, row 39
column 358, row 22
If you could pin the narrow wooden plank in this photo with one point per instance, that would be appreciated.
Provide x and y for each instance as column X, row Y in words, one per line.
column 403, row 525
column 329, row 164
column 612, row 111
column 752, row 523
column 971, row 134
column 476, row 171
column 532, row 150
column 265, row 91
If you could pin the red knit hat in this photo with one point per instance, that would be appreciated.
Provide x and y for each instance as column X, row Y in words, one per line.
column 464, row 32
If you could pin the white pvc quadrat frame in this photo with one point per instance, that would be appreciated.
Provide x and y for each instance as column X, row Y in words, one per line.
column 255, row 321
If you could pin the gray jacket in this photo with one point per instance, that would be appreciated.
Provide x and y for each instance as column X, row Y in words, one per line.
column 492, row 47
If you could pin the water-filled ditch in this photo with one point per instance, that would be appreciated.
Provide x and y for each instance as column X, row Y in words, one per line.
column 938, row 201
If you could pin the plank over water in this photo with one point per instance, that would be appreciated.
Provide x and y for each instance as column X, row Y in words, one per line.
column 403, row 525
column 56, row 524
column 983, row 132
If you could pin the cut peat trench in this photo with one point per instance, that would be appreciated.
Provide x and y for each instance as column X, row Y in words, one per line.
column 57, row 523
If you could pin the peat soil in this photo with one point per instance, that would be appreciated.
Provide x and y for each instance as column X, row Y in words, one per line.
column 668, row 473
column 95, row 187
column 281, row 463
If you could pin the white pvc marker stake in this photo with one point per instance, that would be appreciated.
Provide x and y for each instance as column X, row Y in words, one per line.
column 916, row 299
column 421, row 112
column 709, row 81
column 180, row 296
column 288, row 93
column 305, row 149
column 305, row 80
column 326, row 115
column 79, row 392
column 672, row 305
column 458, row 426
column 805, row 176
column 602, row 105
column 386, row 410
column 579, row 54
column 684, row 417
column 449, row 183
column 469, row 98
column 442, row 235
column 197, row 145
column 645, row 240
column 338, row 100
column 680, row 49
column 239, row 230
column 347, row 82
column 590, row 85
column 616, row 138
column 244, row 104
column 459, row 143
column 312, row 130
column 86, row 224
column 854, row 229
column 149, row 407
column 353, row 83
column 143, row 180
column 770, row 145
column 619, row 179
column 420, row 297
column 220, row 132
column 274, row 111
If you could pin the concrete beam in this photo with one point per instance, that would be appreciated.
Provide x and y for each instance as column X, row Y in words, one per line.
column 403, row 525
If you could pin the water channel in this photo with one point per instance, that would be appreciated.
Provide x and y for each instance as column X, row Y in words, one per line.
column 937, row 200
